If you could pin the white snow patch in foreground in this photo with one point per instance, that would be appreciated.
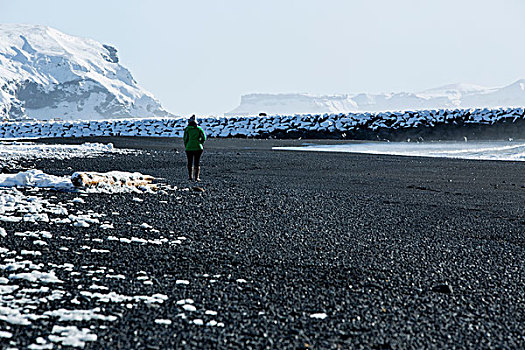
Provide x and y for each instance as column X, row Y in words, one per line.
column 16, row 150
column 39, row 179
column 35, row 178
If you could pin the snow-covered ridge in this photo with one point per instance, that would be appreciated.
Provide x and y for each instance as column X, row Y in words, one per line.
column 46, row 74
column 448, row 96
column 343, row 125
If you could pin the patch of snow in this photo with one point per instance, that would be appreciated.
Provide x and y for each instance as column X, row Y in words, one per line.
column 198, row 322
column 119, row 298
column 72, row 336
column 100, row 251
column 5, row 334
column 35, row 178
column 65, row 315
column 163, row 322
column 320, row 315
column 189, row 307
column 36, row 276
column 30, row 252
column 81, row 223
column 13, row 151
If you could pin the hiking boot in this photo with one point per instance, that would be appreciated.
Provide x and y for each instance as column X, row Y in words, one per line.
column 197, row 173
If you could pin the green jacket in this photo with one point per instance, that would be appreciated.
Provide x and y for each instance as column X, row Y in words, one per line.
column 193, row 138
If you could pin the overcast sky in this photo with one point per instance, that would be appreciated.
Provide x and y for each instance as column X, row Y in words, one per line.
column 201, row 56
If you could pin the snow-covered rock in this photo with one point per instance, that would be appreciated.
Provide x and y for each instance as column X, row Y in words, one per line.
column 46, row 74
column 363, row 125
column 445, row 97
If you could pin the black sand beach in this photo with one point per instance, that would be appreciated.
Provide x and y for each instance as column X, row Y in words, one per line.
column 397, row 252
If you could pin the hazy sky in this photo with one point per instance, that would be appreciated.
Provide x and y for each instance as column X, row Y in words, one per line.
column 201, row 56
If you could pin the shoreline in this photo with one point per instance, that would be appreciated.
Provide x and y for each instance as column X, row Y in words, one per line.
column 175, row 143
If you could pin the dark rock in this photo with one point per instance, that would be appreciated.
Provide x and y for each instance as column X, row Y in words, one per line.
column 443, row 288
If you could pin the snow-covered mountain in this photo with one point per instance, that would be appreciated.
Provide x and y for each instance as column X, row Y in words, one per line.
column 46, row 74
column 449, row 96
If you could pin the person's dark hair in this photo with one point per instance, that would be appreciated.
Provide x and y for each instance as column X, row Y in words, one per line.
column 192, row 121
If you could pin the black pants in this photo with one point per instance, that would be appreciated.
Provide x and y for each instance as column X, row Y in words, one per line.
column 193, row 157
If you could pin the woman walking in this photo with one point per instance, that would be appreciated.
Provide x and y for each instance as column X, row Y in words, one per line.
column 194, row 138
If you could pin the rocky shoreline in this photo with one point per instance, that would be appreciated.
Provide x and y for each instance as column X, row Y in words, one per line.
column 291, row 250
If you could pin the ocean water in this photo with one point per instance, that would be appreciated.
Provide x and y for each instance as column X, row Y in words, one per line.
column 480, row 150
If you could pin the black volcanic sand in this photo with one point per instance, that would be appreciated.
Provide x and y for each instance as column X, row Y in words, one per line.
column 398, row 252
